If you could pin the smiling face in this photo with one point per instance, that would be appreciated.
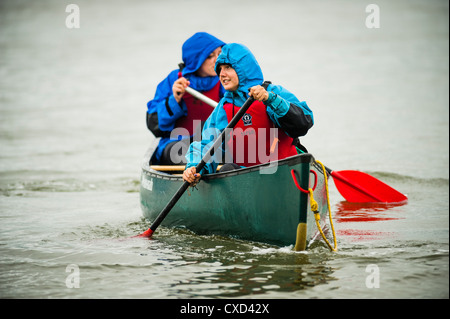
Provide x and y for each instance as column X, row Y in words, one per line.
column 207, row 68
column 228, row 77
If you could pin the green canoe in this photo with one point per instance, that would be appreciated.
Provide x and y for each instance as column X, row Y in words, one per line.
column 260, row 203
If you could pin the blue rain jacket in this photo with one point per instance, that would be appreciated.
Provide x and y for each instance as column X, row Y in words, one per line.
column 283, row 108
column 163, row 111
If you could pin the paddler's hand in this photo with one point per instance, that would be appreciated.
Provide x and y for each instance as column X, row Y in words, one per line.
column 258, row 93
column 179, row 88
column 190, row 175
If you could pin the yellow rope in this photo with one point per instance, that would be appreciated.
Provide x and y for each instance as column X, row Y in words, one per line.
column 315, row 209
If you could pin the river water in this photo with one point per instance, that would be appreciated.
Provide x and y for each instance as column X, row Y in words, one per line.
column 73, row 135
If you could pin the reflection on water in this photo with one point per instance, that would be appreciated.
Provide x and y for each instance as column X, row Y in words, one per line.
column 213, row 266
column 359, row 216
column 256, row 276
column 364, row 212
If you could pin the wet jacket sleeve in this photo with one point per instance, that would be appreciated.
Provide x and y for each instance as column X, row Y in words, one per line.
column 213, row 127
column 164, row 110
column 287, row 112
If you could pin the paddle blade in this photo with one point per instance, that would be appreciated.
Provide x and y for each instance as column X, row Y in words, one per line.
column 359, row 187
column 147, row 234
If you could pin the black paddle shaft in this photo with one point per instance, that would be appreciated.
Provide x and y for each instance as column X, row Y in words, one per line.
column 204, row 160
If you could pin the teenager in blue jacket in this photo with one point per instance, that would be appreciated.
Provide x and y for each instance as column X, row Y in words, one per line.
column 269, row 128
column 173, row 108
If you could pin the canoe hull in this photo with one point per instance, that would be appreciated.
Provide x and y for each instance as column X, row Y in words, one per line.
column 260, row 203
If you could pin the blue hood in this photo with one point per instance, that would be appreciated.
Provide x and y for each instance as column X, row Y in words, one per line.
column 247, row 69
column 196, row 49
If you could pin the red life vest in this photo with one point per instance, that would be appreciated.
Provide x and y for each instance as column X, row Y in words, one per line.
column 255, row 140
column 197, row 110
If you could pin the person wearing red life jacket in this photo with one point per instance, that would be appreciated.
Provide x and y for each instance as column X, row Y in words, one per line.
column 172, row 108
column 266, row 132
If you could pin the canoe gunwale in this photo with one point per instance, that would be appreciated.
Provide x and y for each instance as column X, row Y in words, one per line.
column 293, row 160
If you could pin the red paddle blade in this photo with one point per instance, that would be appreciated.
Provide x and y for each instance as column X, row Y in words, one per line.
column 148, row 233
column 360, row 187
